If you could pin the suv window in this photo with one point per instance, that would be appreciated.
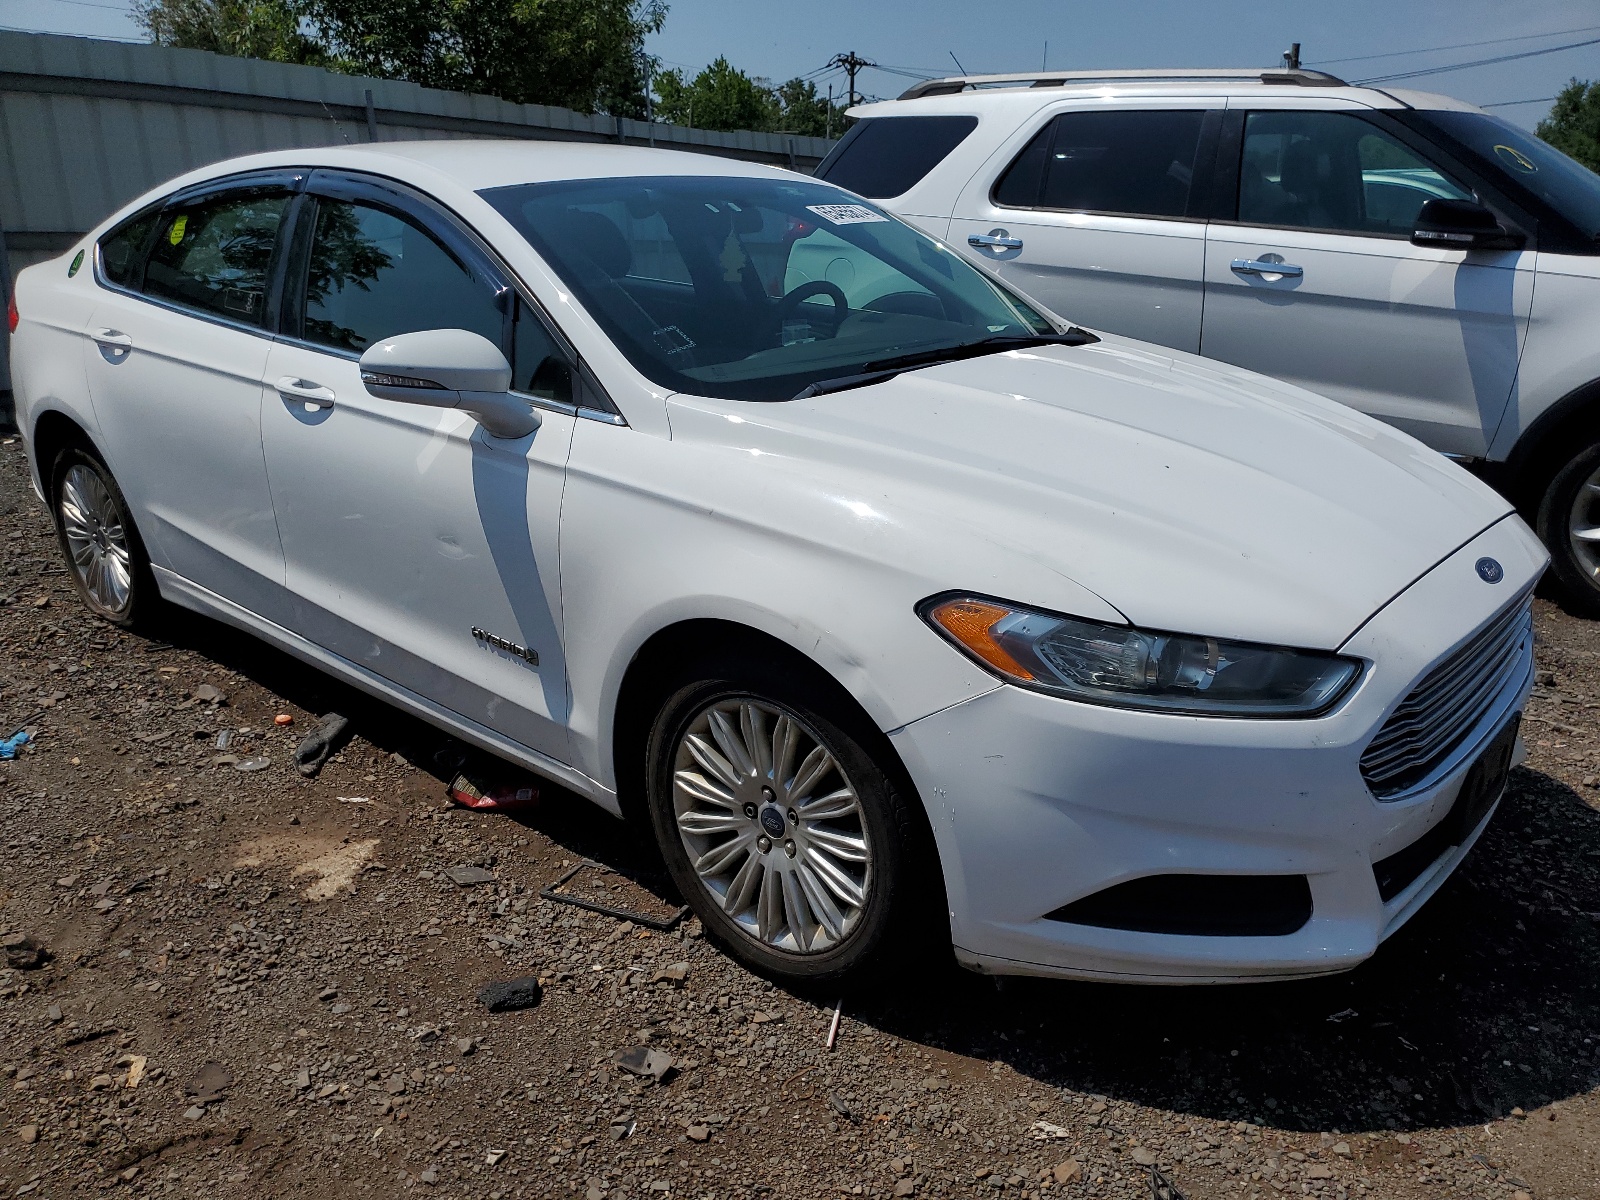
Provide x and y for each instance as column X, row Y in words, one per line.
column 122, row 250
column 887, row 156
column 1333, row 171
column 1132, row 162
column 214, row 255
column 374, row 274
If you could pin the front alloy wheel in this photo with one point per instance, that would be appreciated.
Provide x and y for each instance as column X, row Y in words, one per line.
column 779, row 810
column 771, row 825
column 1568, row 523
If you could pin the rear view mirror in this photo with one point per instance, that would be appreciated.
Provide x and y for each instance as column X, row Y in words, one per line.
column 1462, row 225
column 449, row 368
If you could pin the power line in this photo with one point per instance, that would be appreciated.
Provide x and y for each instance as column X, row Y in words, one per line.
column 1514, row 103
column 121, row 8
column 1482, row 62
column 1526, row 37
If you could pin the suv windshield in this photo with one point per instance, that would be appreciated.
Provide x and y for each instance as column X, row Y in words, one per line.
column 755, row 289
column 1533, row 165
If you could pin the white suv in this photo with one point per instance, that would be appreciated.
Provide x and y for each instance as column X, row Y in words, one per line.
column 1406, row 254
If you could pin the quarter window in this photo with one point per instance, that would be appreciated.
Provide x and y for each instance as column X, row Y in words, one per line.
column 1132, row 162
column 122, row 250
column 215, row 255
column 1333, row 171
column 539, row 368
column 887, row 156
column 374, row 274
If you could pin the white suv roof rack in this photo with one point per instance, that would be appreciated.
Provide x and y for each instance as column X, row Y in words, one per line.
column 950, row 85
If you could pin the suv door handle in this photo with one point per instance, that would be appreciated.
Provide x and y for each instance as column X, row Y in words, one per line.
column 113, row 339
column 998, row 240
column 313, row 395
column 1255, row 266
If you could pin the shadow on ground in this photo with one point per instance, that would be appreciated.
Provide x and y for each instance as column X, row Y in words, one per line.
column 1482, row 1003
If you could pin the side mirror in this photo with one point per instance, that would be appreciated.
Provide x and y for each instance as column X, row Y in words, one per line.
column 449, row 368
column 1462, row 225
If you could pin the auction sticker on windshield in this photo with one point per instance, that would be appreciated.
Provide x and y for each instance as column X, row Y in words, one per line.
column 845, row 214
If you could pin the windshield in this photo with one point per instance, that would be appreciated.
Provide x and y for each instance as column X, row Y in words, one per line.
column 754, row 289
column 1565, row 185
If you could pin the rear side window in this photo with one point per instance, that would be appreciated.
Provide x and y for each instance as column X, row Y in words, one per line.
column 122, row 250
column 1134, row 162
column 888, row 156
column 374, row 274
column 215, row 255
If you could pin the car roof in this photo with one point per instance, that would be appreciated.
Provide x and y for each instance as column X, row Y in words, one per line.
column 990, row 94
column 479, row 163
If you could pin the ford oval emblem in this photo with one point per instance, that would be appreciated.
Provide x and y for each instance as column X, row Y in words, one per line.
column 1489, row 570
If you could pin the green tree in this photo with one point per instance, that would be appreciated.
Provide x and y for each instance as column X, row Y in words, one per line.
column 719, row 97
column 805, row 112
column 1573, row 126
column 269, row 29
column 581, row 54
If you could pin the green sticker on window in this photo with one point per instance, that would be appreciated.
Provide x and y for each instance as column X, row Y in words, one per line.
column 77, row 261
column 175, row 234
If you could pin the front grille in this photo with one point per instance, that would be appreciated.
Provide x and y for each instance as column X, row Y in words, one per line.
column 1448, row 703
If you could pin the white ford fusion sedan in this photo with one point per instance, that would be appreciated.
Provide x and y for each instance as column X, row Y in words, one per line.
column 891, row 603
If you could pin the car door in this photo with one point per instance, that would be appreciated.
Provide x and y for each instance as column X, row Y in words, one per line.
column 1099, row 214
column 1311, row 276
column 179, row 338
column 416, row 545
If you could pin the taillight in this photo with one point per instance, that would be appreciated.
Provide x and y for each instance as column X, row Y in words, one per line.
column 12, row 315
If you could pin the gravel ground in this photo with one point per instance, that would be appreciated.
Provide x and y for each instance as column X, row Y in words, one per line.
column 263, row 985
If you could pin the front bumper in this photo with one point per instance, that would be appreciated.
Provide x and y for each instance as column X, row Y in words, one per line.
column 1036, row 802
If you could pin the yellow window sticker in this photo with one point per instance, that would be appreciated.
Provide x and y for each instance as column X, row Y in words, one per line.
column 175, row 234
column 1515, row 158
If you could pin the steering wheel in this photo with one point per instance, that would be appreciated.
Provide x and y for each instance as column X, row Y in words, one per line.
column 816, row 287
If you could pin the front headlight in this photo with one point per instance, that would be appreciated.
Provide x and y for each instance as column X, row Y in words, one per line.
column 1137, row 668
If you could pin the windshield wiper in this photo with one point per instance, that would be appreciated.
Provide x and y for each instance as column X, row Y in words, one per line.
column 887, row 368
column 997, row 344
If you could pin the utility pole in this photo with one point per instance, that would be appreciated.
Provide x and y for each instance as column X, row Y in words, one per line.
column 1291, row 57
column 852, row 63
column 649, row 106
column 827, row 120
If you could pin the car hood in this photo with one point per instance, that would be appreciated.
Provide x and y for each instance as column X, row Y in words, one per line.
column 1184, row 494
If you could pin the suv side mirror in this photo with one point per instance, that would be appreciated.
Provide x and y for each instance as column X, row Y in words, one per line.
column 449, row 368
column 1462, row 225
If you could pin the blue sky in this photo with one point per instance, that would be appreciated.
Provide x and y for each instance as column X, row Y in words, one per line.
column 781, row 40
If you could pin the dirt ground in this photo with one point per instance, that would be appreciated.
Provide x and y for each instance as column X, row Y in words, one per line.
column 260, row 985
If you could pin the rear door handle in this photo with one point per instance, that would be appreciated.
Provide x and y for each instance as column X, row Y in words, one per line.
column 998, row 240
column 313, row 395
column 1256, row 266
column 113, row 339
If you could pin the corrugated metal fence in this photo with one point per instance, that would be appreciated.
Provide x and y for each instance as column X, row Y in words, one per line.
column 86, row 125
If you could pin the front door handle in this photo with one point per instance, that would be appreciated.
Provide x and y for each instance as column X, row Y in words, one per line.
column 995, row 239
column 112, row 339
column 1256, row 266
column 313, row 395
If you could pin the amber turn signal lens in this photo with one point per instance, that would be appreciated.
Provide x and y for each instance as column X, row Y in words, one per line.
column 970, row 623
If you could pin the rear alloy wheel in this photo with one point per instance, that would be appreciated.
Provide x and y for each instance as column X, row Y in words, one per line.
column 780, row 831
column 100, row 543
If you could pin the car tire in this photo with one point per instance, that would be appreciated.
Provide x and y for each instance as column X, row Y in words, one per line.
column 104, row 554
column 1571, row 504
column 798, row 867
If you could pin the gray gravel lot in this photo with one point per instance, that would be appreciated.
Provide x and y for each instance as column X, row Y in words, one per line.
column 260, row 984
